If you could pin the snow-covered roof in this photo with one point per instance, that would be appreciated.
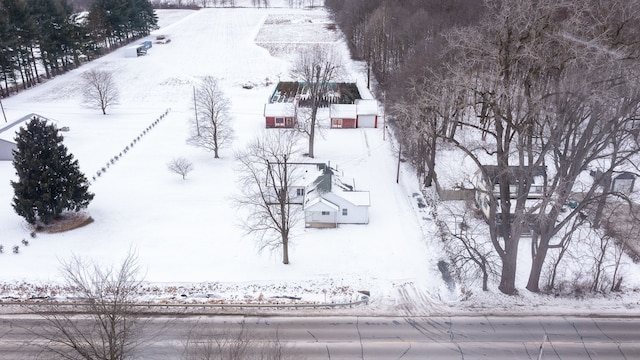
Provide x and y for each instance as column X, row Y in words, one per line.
column 358, row 198
column 367, row 107
column 279, row 109
column 8, row 131
column 321, row 204
column 327, row 182
column 343, row 111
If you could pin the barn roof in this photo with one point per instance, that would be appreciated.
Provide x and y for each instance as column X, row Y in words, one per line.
column 338, row 92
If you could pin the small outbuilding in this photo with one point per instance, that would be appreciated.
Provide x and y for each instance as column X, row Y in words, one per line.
column 367, row 113
column 343, row 116
column 280, row 115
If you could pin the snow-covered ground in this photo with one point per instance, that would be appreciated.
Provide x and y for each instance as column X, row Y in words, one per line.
column 185, row 232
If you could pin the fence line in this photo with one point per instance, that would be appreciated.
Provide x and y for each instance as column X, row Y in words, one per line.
column 76, row 307
column 127, row 148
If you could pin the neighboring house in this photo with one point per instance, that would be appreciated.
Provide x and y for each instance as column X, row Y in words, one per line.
column 367, row 113
column 491, row 183
column 623, row 182
column 328, row 202
column 343, row 116
column 6, row 150
column 280, row 115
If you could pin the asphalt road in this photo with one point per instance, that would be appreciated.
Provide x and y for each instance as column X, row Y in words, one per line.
column 379, row 337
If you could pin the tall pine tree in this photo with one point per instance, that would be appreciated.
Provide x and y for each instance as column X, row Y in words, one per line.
column 49, row 179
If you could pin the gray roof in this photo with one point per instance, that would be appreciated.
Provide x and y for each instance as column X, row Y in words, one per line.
column 514, row 173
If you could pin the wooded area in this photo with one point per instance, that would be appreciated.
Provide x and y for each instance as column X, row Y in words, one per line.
column 43, row 38
column 512, row 84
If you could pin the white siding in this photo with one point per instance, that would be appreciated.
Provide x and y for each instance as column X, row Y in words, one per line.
column 5, row 150
column 355, row 214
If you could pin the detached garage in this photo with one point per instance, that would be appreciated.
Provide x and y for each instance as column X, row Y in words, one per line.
column 367, row 113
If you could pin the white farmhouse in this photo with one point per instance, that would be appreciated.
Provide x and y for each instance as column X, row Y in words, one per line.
column 328, row 202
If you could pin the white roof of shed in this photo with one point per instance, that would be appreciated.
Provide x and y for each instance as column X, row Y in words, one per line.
column 367, row 106
column 343, row 111
column 279, row 109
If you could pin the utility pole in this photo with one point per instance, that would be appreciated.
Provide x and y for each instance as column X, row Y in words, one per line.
column 384, row 115
column 399, row 156
column 195, row 106
column 3, row 114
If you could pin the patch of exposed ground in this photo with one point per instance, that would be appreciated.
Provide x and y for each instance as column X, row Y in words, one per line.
column 65, row 222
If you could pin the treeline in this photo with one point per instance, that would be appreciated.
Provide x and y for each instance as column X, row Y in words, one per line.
column 42, row 38
column 395, row 38
column 522, row 85
column 197, row 4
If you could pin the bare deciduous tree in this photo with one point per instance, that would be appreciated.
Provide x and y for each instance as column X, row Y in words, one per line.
column 522, row 74
column 100, row 89
column 267, row 176
column 428, row 113
column 107, row 326
column 316, row 67
column 180, row 166
column 211, row 128
column 472, row 257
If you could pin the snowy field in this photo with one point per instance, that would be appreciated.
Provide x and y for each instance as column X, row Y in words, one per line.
column 185, row 232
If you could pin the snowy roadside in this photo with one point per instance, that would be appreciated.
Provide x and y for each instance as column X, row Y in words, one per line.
column 322, row 300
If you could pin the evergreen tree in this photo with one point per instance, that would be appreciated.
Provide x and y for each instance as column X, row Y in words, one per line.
column 49, row 179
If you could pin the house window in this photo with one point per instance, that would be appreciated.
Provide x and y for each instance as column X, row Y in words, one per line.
column 279, row 121
column 345, row 212
column 325, row 213
column 336, row 123
column 300, row 192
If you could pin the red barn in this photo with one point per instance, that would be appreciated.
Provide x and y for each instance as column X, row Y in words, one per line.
column 343, row 116
column 280, row 115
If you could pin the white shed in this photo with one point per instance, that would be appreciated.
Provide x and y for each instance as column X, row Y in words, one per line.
column 367, row 113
